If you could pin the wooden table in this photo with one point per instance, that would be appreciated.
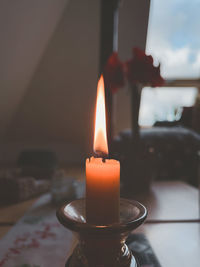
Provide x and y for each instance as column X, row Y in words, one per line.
column 172, row 227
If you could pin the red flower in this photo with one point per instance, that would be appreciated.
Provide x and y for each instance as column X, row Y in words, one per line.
column 157, row 79
column 140, row 69
column 114, row 73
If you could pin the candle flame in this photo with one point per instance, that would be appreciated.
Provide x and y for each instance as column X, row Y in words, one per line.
column 100, row 137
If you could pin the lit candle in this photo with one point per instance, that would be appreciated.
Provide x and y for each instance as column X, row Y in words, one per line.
column 102, row 175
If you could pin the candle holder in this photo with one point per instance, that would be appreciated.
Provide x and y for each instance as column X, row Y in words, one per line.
column 102, row 245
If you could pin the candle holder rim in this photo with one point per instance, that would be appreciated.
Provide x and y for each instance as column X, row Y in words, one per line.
column 77, row 226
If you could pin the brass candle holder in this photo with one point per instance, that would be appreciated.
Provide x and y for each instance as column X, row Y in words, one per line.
column 102, row 245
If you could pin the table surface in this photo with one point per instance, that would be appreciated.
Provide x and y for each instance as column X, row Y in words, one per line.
column 172, row 227
column 169, row 201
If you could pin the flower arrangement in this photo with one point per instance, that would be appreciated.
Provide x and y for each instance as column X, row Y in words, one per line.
column 138, row 71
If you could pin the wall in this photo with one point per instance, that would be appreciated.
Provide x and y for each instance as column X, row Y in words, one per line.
column 57, row 110
column 25, row 29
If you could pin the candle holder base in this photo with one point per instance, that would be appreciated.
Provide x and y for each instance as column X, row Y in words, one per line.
column 102, row 245
column 74, row 261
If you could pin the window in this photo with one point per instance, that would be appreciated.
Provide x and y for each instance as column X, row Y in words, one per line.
column 174, row 41
column 164, row 104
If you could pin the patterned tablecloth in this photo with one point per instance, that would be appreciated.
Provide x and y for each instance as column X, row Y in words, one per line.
column 37, row 240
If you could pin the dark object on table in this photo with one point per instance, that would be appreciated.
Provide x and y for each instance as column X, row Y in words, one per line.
column 15, row 188
column 41, row 164
column 175, row 150
column 141, row 249
column 186, row 119
column 138, row 163
column 166, row 123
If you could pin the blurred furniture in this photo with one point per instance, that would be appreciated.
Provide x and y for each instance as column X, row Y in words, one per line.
column 40, row 164
column 185, row 144
column 188, row 119
column 36, row 168
column 15, row 187
column 173, row 149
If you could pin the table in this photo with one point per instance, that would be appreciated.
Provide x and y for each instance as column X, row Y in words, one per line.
column 175, row 244
column 172, row 227
column 10, row 214
column 171, row 201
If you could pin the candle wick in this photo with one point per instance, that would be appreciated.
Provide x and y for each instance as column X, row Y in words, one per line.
column 100, row 154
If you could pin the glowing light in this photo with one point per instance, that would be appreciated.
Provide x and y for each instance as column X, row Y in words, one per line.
column 100, row 136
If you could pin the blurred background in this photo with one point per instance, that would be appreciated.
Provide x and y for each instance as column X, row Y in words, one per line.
column 50, row 53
